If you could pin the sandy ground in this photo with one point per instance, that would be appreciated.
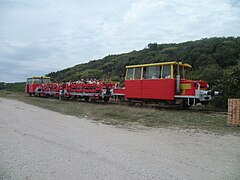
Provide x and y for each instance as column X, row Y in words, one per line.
column 39, row 144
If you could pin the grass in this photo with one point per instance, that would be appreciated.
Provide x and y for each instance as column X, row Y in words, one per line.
column 128, row 116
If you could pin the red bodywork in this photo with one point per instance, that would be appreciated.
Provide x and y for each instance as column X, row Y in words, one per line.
column 145, row 89
column 159, row 83
column 163, row 89
column 30, row 88
column 160, row 89
column 190, row 91
column 94, row 91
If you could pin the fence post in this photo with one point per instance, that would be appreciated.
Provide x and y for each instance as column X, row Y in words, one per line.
column 233, row 112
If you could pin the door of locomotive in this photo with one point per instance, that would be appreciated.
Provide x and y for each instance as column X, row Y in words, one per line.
column 157, row 82
column 133, row 84
column 29, row 85
column 33, row 83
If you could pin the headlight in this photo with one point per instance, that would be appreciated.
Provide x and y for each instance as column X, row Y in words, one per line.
column 207, row 85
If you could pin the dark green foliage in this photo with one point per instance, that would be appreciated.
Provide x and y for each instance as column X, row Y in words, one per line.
column 2, row 85
column 15, row 87
column 215, row 60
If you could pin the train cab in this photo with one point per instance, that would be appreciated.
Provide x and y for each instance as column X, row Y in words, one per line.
column 167, row 82
column 34, row 82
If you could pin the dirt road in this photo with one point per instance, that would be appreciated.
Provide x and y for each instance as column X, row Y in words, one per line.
column 39, row 144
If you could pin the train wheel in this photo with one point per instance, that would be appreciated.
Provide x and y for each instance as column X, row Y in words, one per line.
column 205, row 103
column 106, row 99
column 185, row 105
column 86, row 99
column 129, row 103
column 93, row 100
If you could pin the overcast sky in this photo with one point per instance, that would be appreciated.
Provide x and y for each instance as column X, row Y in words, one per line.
column 40, row 36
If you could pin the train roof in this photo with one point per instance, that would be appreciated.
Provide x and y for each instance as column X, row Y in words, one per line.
column 159, row 64
column 39, row 77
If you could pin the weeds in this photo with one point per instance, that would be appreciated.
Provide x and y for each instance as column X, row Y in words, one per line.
column 123, row 115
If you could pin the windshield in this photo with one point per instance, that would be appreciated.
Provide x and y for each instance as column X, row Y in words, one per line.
column 185, row 72
column 38, row 80
column 45, row 80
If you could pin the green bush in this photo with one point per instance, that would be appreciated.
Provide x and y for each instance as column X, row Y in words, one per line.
column 15, row 87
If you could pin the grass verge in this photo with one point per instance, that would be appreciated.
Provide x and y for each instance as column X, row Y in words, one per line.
column 124, row 115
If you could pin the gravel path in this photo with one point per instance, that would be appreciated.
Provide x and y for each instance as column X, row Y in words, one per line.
column 39, row 144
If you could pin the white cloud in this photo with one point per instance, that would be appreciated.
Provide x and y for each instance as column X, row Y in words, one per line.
column 43, row 36
column 176, row 20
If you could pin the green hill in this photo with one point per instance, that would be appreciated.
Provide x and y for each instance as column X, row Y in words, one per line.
column 216, row 60
column 220, row 53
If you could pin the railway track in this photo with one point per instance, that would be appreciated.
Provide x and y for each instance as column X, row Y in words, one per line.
column 151, row 106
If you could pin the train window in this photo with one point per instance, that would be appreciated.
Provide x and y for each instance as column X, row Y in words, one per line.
column 174, row 71
column 137, row 74
column 29, row 81
column 129, row 73
column 187, row 73
column 166, row 72
column 182, row 75
column 45, row 80
column 36, row 81
column 151, row 72
column 181, row 71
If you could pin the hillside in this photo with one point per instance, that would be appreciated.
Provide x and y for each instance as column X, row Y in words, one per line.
column 216, row 60
column 220, row 52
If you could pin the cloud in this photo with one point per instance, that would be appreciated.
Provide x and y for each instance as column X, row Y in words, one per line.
column 38, row 37
column 176, row 20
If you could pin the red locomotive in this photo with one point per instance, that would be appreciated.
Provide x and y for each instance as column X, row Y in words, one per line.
column 164, row 84
column 167, row 83
column 33, row 82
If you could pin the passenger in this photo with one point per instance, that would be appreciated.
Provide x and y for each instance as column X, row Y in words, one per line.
column 116, row 85
column 97, row 82
column 94, row 81
column 90, row 81
column 154, row 76
column 87, row 81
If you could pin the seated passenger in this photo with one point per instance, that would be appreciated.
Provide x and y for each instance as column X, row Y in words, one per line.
column 168, row 76
column 154, row 76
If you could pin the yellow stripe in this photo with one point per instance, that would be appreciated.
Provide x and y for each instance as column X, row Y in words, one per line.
column 171, row 71
column 37, row 77
column 186, row 86
column 133, row 73
column 183, row 91
column 159, row 64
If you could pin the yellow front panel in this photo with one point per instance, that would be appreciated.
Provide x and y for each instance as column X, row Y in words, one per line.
column 184, row 87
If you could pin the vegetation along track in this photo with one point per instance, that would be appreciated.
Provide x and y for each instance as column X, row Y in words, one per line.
column 117, row 114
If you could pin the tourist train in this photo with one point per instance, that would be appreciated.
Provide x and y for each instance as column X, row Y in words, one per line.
column 167, row 84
